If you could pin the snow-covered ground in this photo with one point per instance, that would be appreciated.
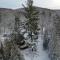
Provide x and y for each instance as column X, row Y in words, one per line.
column 40, row 54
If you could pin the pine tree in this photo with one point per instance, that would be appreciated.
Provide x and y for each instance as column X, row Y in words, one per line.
column 31, row 14
column 11, row 51
column 14, row 44
column 17, row 36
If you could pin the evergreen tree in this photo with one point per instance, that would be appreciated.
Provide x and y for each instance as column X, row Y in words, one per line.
column 17, row 36
column 11, row 51
column 31, row 14
column 14, row 44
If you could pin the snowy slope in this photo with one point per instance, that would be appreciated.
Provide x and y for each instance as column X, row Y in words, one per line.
column 40, row 54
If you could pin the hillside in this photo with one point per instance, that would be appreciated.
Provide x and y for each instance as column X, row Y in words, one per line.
column 48, row 22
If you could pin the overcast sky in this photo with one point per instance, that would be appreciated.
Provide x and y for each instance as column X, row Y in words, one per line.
column 51, row 4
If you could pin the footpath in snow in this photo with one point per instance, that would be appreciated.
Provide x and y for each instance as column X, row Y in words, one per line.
column 40, row 55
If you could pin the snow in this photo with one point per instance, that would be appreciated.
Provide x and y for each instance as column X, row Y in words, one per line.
column 39, row 55
column 23, row 30
column 25, row 35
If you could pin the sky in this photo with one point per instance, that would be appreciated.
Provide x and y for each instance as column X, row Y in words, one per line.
column 51, row 4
